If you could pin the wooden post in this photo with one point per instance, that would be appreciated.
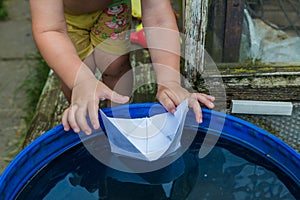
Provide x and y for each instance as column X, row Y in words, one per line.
column 233, row 30
column 195, row 30
column 215, row 29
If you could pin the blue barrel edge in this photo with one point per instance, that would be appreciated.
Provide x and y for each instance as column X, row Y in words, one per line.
column 56, row 141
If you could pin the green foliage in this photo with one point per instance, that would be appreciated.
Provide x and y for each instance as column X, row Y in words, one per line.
column 33, row 87
column 3, row 12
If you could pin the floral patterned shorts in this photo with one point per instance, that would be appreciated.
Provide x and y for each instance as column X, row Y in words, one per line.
column 105, row 29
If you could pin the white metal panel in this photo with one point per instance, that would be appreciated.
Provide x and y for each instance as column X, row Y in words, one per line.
column 261, row 107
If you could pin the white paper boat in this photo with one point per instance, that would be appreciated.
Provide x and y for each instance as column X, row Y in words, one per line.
column 148, row 138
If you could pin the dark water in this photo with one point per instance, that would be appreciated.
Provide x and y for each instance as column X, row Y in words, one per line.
column 222, row 175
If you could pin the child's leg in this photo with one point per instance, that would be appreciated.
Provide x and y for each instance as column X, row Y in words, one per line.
column 116, row 71
column 110, row 36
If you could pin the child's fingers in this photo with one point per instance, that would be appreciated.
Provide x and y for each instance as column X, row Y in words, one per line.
column 93, row 114
column 167, row 103
column 64, row 120
column 117, row 98
column 207, row 100
column 72, row 120
column 175, row 98
column 80, row 115
column 194, row 104
column 113, row 96
column 209, row 97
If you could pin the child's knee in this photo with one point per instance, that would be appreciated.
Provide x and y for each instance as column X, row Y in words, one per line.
column 117, row 68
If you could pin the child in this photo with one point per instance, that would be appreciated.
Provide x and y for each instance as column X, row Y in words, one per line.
column 76, row 36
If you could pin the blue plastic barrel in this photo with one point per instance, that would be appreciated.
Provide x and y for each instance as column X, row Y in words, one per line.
column 236, row 133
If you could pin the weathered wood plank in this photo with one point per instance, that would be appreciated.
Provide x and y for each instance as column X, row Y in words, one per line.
column 215, row 29
column 259, row 69
column 233, row 30
column 263, row 81
column 49, row 109
column 195, row 31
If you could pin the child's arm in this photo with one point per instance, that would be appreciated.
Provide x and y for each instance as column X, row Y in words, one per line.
column 164, row 44
column 51, row 36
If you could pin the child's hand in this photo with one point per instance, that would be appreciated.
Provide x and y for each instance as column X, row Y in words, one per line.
column 172, row 94
column 86, row 94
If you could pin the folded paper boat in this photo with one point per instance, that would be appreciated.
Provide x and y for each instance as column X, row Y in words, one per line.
column 148, row 138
